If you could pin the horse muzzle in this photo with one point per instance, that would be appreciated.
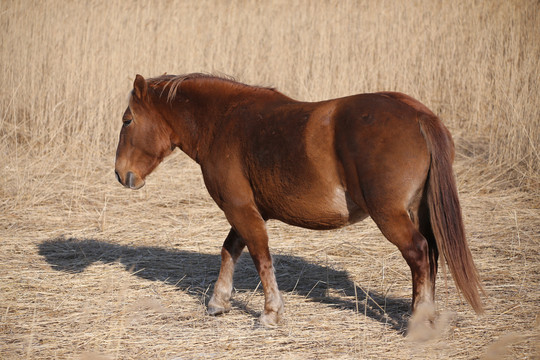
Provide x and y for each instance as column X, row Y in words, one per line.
column 131, row 180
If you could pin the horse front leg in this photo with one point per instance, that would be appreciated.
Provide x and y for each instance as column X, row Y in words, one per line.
column 230, row 252
column 273, row 302
column 248, row 222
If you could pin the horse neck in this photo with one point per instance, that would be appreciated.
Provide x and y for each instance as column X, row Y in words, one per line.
column 202, row 106
column 190, row 116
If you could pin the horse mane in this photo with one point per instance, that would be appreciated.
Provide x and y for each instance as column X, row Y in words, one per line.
column 173, row 82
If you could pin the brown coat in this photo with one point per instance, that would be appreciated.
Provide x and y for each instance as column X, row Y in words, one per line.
column 317, row 165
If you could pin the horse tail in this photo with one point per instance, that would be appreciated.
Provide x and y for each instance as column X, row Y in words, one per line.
column 445, row 212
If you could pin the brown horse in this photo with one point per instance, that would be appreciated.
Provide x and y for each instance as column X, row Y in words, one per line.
column 317, row 165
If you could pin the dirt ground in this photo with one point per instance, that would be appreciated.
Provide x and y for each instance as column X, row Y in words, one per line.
column 103, row 272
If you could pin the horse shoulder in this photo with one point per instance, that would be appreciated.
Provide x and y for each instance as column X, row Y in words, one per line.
column 225, row 179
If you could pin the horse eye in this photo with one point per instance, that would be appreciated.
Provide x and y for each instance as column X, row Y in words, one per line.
column 127, row 122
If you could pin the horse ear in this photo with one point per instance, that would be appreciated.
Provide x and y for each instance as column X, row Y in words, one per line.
column 140, row 87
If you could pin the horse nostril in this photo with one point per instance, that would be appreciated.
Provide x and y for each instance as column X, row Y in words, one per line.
column 118, row 177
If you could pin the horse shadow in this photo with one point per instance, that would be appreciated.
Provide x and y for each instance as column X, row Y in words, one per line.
column 194, row 273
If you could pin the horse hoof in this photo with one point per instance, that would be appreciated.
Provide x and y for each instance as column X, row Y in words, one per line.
column 421, row 326
column 270, row 319
column 214, row 311
column 217, row 308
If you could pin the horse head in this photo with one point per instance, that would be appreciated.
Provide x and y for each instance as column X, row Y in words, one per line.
column 145, row 137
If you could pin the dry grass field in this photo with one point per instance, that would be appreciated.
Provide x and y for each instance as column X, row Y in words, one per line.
column 90, row 270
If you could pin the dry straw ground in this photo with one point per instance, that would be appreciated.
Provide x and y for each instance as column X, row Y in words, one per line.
column 90, row 270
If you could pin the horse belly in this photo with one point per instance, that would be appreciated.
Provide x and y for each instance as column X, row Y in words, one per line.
column 320, row 210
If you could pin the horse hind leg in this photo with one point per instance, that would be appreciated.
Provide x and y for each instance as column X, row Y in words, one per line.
column 424, row 226
column 400, row 230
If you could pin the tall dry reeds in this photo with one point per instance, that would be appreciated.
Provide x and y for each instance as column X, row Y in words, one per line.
column 66, row 67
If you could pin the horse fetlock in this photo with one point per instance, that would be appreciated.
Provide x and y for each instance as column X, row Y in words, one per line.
column 424, row 310
column 272, row 311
